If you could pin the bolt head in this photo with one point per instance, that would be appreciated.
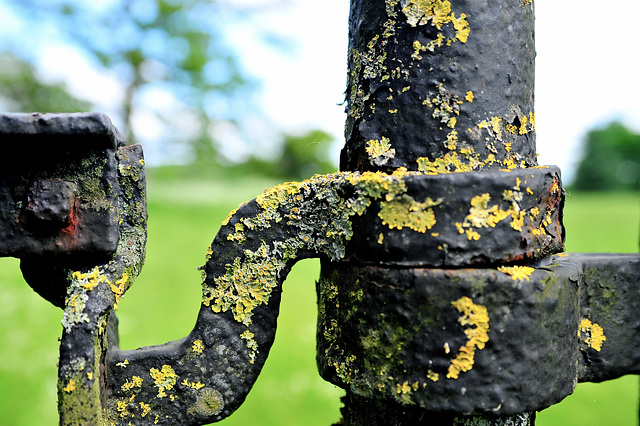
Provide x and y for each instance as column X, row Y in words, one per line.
column 49, row 203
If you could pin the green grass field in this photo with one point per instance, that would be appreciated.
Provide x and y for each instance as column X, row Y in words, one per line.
column 185, row 212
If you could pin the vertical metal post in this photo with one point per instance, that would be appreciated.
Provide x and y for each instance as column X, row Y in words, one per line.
column 440, row 86
column 437, row 87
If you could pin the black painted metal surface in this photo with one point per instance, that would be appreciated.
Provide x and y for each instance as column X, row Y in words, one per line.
column 497, row 341
column 58, row 186
column 436, row 81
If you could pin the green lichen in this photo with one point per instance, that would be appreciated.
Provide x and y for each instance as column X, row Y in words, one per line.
column 209, row 402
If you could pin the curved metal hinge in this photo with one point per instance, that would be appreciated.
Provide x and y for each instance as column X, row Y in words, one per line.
column 205, row 376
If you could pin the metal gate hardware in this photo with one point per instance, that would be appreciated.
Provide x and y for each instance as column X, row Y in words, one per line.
column 444, row 295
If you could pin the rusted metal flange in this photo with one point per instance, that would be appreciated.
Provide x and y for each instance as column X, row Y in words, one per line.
column 495, row 340
column 464, row 219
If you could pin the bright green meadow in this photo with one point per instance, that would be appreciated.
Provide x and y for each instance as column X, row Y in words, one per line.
column 185, row 211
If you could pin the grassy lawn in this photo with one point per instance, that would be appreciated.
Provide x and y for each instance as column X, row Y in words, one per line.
column 185, row 213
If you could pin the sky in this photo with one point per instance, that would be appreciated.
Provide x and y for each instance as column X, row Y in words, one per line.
column 586, row 69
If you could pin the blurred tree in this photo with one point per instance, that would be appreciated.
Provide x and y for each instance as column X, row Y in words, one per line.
column 611, row 160
column 167, row 47
column 301, row 156
column 22, row 90
column 305, row 155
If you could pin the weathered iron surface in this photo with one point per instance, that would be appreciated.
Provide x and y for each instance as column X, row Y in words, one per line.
column 59, row 132
column 445, row 82
column 58, row 186
column 93, row 292
column 367, row 411
column 496, row 341
column 207, row 375
column 478, row 218
column 610, row 303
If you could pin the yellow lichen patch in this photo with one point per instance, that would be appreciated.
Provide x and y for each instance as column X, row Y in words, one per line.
column 438, row 12
column 164, row 379
column 518, row 273
column 452, row 139
column 405, row 212
column 118, row 288
column 251, row 344
column 433, row 376
column 469, row 96
column 238, row 235
column 146, row 408
column 591, row 334
column 246, row 284
column 192, row 385
column 197, row 347
column 461, row 26
column 450, row 163
column 477, row 336
column 70, row 387
column 135, row 382
column 90, row 279
column 494, row 124
column 380, row 151
column 472, row 235
column 122, row 408
column 274, row 197
column 481, row 215
column 230, row 215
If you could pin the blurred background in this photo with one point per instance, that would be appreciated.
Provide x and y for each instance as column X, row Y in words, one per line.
column 229, row 97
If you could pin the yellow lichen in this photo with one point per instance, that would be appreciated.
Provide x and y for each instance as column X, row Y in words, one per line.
column 478, row 317
column 433, row 376
column 164, row 379
column 118, row 288
column 481, row 215
column 380, row 151
column 518, row 273
column 192, row 385
column 90, row 279
column 70, row 387
column 251, row 344
column 438, row 12
column 593, row 334
column 133, row 383
column 146, row 408
column 405, row 212
column 469, row 97
column 197, row 346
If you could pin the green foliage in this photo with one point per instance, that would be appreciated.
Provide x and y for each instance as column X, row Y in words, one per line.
column 611, row 160
column 301, row 157
column 22, row 91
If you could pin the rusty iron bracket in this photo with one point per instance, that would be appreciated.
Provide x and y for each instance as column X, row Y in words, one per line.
column 73, row 209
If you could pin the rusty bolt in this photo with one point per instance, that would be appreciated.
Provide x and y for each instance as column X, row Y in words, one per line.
column 49, row 204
